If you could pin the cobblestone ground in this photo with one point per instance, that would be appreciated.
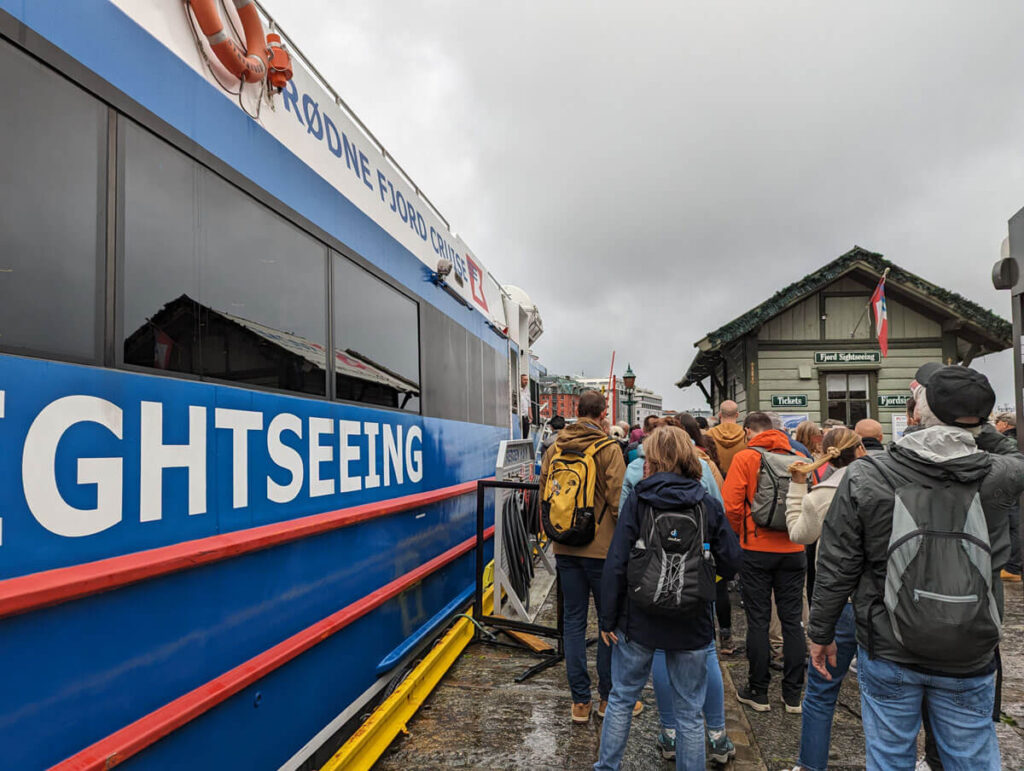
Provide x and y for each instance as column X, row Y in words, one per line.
column 777, row 734
column 478, row 717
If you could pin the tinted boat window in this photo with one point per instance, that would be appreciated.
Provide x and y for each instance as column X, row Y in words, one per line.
column 464, row 378
column 52, row 178
column 215, row 283
column 376, row 340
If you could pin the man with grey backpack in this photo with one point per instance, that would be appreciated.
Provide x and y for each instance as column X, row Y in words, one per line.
column 917, row 537
column 755, row 502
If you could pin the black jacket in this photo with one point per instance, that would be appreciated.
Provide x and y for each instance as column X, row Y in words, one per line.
column 855, row 537
column 663, row 491
column 872, row 445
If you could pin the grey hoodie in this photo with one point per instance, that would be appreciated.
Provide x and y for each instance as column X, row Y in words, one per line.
column 855, row 537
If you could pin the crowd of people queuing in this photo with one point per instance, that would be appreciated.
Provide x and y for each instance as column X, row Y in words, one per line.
column 850, row 556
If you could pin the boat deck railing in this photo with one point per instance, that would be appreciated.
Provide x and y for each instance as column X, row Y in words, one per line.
column 296, row 52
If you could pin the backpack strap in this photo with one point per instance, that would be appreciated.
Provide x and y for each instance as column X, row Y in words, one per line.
column 590, row 452
column 597, row 446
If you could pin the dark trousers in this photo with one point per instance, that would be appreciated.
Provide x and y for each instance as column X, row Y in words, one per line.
column 723, row 606
column 581, row 578
column 764, row 574
column 1014, row 565
column 931, row 749
column 811, row 550
column 526, row 427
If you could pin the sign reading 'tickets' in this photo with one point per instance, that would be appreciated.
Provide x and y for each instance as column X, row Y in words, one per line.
column 789, row 400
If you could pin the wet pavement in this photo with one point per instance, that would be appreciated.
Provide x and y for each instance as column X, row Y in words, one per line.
column 478, row 717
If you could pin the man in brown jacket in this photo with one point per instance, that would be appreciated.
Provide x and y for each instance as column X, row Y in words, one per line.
column 728, row 436
column 580, row 567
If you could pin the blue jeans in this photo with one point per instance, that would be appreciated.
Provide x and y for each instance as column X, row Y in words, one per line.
column 820, row 696
column 631, row 666
column 714, row 695
column 959, row 709
column 580, row 578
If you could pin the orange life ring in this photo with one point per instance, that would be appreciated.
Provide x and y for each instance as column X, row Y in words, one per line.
column 249, row 65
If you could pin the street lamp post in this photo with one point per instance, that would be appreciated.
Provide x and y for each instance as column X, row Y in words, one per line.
column 629, row 381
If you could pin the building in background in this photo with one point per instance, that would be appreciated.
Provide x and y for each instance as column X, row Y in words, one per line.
column 647, row 402
column 811, row 350
column 559, row 395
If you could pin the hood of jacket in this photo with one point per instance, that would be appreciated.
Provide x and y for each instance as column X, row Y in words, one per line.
column 944, row 453
column 771, row 440
column 728, row 434
column 665, row 490
column 580, row 435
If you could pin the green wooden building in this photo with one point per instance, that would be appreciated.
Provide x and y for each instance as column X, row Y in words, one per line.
column 812, row 350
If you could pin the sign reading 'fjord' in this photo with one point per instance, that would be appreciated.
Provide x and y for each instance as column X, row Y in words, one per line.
column 847, row 357
column 789, row 400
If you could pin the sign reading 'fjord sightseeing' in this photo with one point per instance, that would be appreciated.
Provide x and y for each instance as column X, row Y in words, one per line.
column 789, row 400
column 847, row 357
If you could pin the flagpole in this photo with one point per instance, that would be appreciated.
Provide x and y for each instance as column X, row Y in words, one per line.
column 867, row 307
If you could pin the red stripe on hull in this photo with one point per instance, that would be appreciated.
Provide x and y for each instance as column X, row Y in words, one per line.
column 52, row 587
column 135, row 737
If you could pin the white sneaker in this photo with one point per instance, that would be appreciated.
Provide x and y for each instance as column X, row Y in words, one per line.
column 922, row 765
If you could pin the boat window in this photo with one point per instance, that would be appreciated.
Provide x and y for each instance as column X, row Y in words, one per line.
column 376, row 340
column 464, row 378
column 51, row 213
column 215, row 283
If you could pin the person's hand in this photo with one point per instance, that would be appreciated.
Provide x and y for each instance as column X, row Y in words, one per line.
column 820, row 654
column 609, row 638
column 798, row 476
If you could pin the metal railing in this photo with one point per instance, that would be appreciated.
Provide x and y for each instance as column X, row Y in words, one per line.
column 296, row 52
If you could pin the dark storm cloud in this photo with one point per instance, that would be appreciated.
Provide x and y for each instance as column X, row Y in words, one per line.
column 648, row 171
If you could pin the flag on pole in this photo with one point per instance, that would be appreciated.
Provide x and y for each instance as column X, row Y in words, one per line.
column 162, row 347
column 881, row 316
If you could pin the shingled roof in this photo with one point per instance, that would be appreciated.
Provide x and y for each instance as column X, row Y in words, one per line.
column 996, row 331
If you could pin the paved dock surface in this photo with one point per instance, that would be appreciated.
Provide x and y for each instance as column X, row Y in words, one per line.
column 478, row 717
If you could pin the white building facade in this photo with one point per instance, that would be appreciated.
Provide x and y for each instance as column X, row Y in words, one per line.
column 646, row 401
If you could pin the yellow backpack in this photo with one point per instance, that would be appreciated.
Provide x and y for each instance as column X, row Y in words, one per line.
column 567, row 508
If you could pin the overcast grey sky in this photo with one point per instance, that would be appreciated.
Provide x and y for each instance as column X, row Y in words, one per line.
column 647, row 171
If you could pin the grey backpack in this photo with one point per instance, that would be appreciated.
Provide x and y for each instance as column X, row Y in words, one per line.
column 938, row 573
column 768, row 508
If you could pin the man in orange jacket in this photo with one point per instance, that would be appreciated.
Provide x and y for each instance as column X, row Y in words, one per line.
column 771, row 564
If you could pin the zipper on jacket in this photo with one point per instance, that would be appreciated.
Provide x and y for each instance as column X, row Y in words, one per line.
column 964, row 598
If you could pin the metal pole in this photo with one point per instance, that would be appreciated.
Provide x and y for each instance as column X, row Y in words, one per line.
column 478, row 597
column 1017, row 317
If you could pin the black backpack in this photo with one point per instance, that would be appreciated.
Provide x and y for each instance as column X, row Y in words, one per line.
column 670, row 570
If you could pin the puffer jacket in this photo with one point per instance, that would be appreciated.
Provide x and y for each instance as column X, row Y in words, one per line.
column 855, row 537
column 690, row 632
column 610, row 471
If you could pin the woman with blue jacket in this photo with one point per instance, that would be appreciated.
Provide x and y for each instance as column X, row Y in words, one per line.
column 714, row 703
column 671, row 481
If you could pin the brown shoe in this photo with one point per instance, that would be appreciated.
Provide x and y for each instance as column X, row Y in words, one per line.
column 581, row 712
column 603, row 705
column 1011, row 577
